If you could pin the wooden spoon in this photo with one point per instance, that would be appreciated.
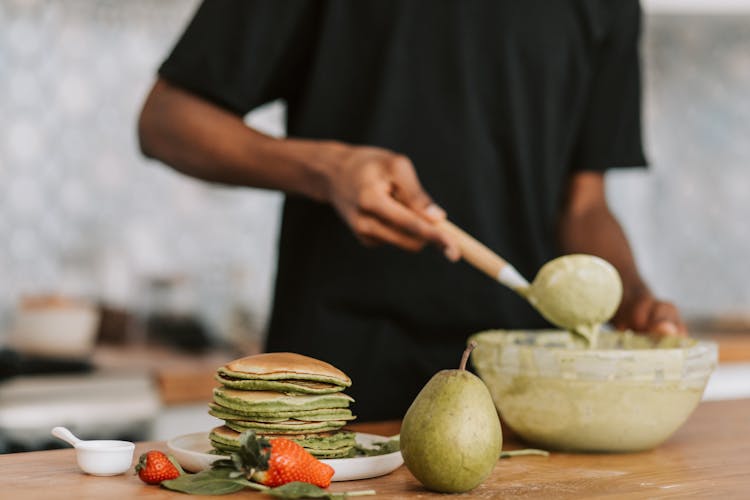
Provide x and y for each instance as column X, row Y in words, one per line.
column 574, row 292
column 481, row 257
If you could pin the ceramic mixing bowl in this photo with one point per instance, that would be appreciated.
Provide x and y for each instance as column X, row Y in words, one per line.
column 629, row 394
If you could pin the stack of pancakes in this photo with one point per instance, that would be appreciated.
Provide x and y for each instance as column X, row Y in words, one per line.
column 283, row 395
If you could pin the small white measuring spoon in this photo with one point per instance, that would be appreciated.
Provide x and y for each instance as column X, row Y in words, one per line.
column 99, row 457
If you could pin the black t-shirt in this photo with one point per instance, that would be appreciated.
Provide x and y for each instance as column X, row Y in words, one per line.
column 496, row 103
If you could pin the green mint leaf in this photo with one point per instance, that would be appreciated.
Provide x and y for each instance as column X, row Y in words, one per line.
column 207, row 482
column 297, row 489
column 224, row 463
column 380, row 448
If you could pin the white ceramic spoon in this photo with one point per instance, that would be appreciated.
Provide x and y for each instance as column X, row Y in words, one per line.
column 67, row 436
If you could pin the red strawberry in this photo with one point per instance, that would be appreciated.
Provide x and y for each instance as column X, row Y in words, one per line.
column 154, row 467
column 291, row 462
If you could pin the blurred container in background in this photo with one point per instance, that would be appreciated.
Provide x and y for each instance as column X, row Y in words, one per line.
column 55, row 327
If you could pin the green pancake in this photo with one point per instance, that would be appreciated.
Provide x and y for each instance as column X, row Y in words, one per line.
column 287, row 386
column 270, row 402
column 320, row 454
column 220, row 448
column 224, row 438
column 341, row 453
column 320, row 441
column 283, row 395
column 321, row 415
column 320, row 445
column 289, row 427
column 284, row 366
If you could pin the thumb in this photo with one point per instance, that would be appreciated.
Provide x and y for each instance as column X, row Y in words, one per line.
column 410, row 192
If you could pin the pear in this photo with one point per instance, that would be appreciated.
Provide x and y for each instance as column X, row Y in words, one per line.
column 450, row 435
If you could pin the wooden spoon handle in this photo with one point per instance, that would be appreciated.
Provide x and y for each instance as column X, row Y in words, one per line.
column 484, row 259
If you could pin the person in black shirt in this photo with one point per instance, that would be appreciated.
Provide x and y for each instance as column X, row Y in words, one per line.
column 503, row 114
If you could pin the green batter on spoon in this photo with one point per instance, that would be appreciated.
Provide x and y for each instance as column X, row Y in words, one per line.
column 576, row 292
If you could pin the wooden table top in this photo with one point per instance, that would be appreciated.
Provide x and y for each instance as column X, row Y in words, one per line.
column 708, row 457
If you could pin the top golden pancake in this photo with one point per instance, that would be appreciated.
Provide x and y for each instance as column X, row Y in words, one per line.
column 283, row 371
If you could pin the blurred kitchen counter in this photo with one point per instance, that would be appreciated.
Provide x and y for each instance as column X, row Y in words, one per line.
column 731, row 379
column 142, row 392
column 181, row 378
column 131, row 392
column 731, row 332
column 734, row 347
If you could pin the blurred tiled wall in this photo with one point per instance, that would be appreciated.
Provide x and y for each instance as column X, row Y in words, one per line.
column 689, row 214
column 82, row 212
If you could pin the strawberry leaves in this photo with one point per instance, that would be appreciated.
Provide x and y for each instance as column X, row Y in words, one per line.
column 228, row 475
column 252, row 456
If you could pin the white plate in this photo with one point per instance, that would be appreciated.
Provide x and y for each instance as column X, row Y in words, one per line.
column 192, row 452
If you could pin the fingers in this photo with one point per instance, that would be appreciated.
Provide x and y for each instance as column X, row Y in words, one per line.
column 409, row 191
column 388, row 220
column 649, row 315
column 372, row 232
column 666, row 329
column 396, row 215
column 379, row 195
column 636, row 315
column 664, row 319
column 402, row 206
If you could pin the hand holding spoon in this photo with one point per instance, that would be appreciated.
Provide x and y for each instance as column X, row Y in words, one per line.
column 575, row 292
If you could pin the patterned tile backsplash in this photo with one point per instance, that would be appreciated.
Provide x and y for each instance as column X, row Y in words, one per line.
column 81, row 211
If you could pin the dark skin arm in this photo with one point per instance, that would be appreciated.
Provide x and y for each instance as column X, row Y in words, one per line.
column 375, row 191
column 588, row 226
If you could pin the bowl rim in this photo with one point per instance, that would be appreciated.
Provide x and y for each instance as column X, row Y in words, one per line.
column 498, row 336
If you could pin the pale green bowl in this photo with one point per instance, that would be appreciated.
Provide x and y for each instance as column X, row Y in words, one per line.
column 629, row 394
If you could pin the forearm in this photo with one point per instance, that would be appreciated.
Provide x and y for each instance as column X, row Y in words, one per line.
column 596, row 231
column 204, row 141
column 587, row 226
column 376, row 191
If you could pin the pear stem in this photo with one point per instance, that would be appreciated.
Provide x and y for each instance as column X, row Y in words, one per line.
column 465, row 356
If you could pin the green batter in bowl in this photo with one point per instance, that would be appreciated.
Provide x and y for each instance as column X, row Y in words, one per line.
column 629, row 394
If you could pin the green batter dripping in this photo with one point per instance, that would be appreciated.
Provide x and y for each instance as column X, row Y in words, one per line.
column 576, row 292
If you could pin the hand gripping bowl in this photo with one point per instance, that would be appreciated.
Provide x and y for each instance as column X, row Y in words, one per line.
column 629, row 394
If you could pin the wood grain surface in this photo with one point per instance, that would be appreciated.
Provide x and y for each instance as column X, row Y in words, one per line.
column 734, row 347
column 709, row 457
